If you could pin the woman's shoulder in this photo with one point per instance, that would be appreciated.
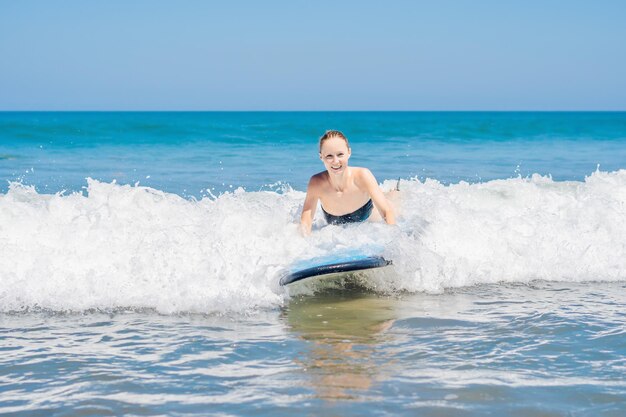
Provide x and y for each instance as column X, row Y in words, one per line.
column 360, row 170
column 361, row 173
column 363, row 177
column 318, row 178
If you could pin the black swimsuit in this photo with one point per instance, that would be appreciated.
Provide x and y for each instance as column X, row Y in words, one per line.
column 359, row 215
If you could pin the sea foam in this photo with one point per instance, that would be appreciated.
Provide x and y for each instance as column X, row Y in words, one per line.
column 121, row 246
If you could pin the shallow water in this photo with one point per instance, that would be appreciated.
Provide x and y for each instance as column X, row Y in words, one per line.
column 534, row 350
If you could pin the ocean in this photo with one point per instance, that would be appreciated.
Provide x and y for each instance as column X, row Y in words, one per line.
column 140, row 254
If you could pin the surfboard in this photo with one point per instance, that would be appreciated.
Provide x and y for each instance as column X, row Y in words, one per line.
column 333, row 264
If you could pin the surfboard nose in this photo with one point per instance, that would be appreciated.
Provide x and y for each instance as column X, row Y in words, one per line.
column 336, row 266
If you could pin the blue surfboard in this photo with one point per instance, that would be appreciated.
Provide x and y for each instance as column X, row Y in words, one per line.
column 333, row 264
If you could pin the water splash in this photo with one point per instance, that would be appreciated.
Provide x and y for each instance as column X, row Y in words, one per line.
column 118, row 246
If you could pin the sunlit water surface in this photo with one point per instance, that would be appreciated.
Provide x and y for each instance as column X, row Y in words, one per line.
column 535, row 350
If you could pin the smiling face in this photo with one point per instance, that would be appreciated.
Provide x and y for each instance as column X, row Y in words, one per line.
column 335, row 154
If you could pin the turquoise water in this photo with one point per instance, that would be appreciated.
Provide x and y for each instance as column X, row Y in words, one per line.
column 140, row 255
column 188, row 153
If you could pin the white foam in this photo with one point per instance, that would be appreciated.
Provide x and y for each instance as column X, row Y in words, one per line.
column 513, row 230
column 132, row 246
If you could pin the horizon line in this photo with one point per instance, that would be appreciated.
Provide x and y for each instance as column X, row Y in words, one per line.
column 309, row 111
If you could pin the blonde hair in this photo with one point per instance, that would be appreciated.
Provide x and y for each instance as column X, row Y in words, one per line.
column 333, row 134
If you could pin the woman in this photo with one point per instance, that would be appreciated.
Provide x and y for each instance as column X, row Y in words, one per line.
column 348, row 194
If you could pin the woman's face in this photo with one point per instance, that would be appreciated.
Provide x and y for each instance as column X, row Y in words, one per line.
column 335, row 154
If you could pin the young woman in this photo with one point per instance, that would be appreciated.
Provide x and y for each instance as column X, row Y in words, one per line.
column 348, row 194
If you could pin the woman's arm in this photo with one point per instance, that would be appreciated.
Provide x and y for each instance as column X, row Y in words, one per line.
column 378, row 198
column 308, row 209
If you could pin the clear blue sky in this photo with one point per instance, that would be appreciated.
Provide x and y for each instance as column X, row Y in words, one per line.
column 312, row 55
